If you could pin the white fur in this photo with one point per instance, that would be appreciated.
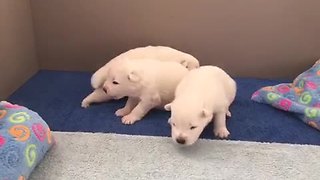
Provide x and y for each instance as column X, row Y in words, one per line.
column 147, row 83
column 161, row 53
column 203, row 94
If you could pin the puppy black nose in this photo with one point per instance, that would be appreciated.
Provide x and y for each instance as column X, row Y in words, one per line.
column 105, row 90
column 181, row 140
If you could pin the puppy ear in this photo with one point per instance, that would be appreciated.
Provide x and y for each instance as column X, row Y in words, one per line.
column 167, row 107
column 184, row 63
column 205, row 113
column 133, row 76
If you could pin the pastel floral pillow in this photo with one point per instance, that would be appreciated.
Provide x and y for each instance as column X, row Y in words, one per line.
column 24, row 140
column 301, row 97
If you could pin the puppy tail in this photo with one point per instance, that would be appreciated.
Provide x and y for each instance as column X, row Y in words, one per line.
column 99, row 77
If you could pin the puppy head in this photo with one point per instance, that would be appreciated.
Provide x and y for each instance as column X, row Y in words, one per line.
column 122, row 80
column 187, row 124
column 190, row 62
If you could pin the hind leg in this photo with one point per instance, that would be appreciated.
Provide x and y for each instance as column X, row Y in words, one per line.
column 231, row 94
column 97, row 96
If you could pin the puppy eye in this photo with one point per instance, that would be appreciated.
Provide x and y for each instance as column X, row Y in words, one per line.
column 173, row 124
column 115, row 82
column 193, row 127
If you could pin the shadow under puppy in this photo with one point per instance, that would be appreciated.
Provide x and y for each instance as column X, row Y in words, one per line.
column 161, row 53
column 147, row 83
column 203, row 94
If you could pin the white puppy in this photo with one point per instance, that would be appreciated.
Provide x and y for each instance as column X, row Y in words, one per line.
column 147, row 83
column 161, row 53
column 203, row 94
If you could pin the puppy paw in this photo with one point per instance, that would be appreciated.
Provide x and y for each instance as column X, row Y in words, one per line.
column 129, row 119
column 85, row 104
column 122, row 112
column 222, row 132
column 229, row 114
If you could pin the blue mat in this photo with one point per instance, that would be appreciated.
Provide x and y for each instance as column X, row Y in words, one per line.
column 57, row 95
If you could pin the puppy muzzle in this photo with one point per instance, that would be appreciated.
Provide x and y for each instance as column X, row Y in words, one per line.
column 181, row 140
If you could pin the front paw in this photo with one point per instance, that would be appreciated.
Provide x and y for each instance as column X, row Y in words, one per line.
column 122, row 112
column 229, row 114
column 129, row 119
column 85, row 104
column 222, row 132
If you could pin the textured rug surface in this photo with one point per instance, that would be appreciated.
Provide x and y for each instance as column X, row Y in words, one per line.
column 111, row 156
column 57, row 95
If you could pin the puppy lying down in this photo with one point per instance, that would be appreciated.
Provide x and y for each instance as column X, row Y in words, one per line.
column 148, row 84
column 203, row 94
column 161, row 53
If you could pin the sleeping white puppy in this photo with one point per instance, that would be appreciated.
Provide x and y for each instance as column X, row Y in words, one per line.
column 161, row 53
column 147, row 83
column 203, row 94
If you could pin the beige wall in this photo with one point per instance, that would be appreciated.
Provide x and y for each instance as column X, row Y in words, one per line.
column 258, row 38
column 17, row 49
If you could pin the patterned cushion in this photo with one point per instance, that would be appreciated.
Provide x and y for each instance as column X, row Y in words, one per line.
column 301, row 97
column 24, row 140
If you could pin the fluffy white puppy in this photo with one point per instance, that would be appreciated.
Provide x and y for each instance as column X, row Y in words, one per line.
column 161, row 53
column 147, row 83
column 203, row 94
